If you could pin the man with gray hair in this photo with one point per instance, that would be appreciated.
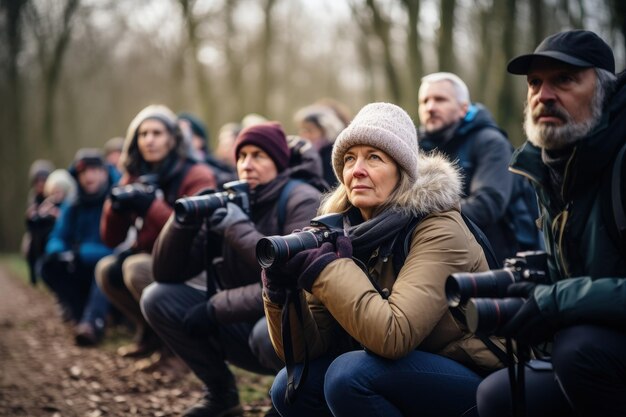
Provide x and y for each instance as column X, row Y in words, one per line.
column 466, row 132
column 575, row 121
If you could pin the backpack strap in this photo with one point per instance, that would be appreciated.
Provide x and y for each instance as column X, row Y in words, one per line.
column 282, row 202
column 619, row 212
column 482, row 240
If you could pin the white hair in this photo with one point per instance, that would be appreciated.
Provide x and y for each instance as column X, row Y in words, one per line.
column 460, row 88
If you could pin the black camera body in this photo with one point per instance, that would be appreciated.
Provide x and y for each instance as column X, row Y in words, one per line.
column 484, row 294
column 277, row 250
column 193, row 209
column 144, row 184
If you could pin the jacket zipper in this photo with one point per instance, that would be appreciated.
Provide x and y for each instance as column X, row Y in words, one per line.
column 558, row 229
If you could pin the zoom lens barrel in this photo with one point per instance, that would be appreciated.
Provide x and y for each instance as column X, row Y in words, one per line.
column 274, row 250
column 489, row 315
column 190, row 209
column 462, row 286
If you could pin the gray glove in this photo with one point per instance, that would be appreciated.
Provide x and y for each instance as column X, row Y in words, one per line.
column 223, row 218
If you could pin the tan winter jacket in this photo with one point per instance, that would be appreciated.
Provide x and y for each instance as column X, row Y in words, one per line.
column 345, row 310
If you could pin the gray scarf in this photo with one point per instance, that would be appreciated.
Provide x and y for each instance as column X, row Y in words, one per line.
column 369, row 235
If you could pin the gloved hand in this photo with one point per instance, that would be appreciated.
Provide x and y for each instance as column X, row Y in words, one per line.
column 302, row 270
column 308, row 264
column 524, row 289
column 200, row 320
column 223, row 218
column 275, row 284
column 134, row 197
column 528, row 325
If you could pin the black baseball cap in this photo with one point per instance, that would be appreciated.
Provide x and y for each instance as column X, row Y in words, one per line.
column 580, row 48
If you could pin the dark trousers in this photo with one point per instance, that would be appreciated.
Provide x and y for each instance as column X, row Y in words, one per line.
column 74, row 286
column 246, row 345
column 589, row 378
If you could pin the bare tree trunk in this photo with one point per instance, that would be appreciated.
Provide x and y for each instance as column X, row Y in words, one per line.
column 618, row 14
column 446, row 33
column 508, row 109
column 381, row 27
column 414, row 55
column 575, row 18
column 265, row 75
column 12, row 160
column 365, row 54
column 235, row 67
column 202, row 80
column 51, row 68
column 486, row 53
column 538, row 27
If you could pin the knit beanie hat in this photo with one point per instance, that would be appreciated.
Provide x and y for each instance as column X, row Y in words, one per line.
column 154, row 111
column 322, row 116
column 384, row 126
column 197, row 127
column 115, row 144
column 86, row 157
column 40, row 168
column 268, row 136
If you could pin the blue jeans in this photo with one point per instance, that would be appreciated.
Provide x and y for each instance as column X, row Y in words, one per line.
column 362, row 384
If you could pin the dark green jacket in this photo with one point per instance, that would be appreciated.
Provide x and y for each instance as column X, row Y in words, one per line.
column 585, row 259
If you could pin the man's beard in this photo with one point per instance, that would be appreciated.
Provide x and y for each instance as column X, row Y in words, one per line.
column 553, row 137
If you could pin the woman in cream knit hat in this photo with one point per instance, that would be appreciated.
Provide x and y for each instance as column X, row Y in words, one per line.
column 381, row 340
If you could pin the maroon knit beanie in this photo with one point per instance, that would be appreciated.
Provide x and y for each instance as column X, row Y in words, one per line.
column 268, row 136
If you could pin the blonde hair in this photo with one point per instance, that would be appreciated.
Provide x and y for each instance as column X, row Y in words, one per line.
column 400, row 199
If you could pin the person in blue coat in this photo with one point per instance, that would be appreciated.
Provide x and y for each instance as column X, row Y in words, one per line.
column 74, row 248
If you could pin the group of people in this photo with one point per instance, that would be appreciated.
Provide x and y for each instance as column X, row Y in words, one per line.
column 358, row 323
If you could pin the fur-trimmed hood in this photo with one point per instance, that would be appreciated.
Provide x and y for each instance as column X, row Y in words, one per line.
column 438, row 187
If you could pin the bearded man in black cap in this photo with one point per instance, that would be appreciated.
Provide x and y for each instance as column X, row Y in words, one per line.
column 575, row 121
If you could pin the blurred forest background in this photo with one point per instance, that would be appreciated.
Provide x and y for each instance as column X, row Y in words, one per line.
column 73, row 73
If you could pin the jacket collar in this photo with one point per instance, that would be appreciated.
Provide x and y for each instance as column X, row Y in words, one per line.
column 438, row 186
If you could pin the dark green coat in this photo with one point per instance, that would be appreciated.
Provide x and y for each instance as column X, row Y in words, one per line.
column 585, row 259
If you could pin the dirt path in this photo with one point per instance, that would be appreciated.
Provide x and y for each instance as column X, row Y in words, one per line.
column 42, row 373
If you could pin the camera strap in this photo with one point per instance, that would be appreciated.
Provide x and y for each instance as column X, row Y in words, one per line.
column 293, row 383
column 516, row 376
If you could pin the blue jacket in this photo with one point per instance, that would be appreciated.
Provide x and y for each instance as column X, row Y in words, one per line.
column 78, row 227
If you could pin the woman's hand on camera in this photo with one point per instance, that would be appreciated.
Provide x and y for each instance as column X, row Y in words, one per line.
column 302, row 270
column 309, row 264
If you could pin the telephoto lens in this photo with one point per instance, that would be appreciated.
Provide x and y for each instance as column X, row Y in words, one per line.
column 193, row 209
column 489, row 315
column 462, row 286
column 274, row 250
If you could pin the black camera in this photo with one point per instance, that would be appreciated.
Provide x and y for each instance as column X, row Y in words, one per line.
column 485, row 293
column 276, row 250
column 123, row 193
column 192, row 209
